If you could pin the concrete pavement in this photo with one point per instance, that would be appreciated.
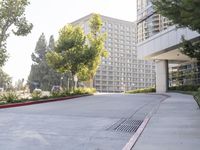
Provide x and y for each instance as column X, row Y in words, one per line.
column 86, row 123
column 175, row 126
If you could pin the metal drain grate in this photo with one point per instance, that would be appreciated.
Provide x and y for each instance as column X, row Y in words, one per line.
column 135, row 122
column 116, row 125
column 127, row 128
column 126, row 125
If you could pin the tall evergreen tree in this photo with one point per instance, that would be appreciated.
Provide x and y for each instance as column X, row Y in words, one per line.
column 41, row 75
column 40, row 50
column 51, row 45
column 38, row 68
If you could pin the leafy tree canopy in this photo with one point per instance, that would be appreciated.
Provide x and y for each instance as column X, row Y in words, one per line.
column 12, row 18
column 69, row 51
column 185, row 13
column 78, row 53
column 96, row 49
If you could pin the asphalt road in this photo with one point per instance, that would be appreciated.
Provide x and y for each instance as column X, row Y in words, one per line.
column 78, row 124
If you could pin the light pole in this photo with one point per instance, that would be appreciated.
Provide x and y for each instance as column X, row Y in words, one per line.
column 75, row 81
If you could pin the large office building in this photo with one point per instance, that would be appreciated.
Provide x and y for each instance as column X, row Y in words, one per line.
column 159, row 40
column 121, row 71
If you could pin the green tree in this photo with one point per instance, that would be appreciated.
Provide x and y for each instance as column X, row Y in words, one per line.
column 38, row 68
column 5, row 79
column 12, row 18
column 184, row 13
column 41, row 75
column 96, row 49
column 69, row 54
column 51, row 45
column 191, row 49
column 73, row 54
column 40, row 50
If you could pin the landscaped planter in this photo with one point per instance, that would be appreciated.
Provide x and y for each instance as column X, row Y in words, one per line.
column 41, row 101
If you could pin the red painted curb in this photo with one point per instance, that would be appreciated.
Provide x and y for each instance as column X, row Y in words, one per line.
column 41, row 101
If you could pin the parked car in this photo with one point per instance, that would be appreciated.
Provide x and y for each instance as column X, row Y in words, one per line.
column 56, row 88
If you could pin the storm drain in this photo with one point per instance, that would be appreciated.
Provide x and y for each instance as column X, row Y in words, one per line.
column 126, row 125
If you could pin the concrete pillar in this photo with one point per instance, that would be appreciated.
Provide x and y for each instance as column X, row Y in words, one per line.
column 161, row 76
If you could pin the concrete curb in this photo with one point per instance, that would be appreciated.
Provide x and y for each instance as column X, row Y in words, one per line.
column 41, row 101
column 129, row 145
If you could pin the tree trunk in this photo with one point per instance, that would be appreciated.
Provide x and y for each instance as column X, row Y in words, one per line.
column 74, row 82
column 91, row 83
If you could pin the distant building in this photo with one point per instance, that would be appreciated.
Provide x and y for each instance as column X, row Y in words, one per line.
column 149, row 22
column 121, row 71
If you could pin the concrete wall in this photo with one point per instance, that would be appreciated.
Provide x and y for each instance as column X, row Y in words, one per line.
column 163, row 41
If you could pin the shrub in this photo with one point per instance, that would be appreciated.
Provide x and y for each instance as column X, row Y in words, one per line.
column 9, row 97
column 37, row 93
column 2, row 102
column 55, row 94
column 66, row 92
column 60, row 93
column 145, row 90
column 185, row 88
column 57, row 91
column 81, row 90
column 44, row 97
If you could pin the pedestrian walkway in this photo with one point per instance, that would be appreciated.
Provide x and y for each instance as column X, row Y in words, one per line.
column 175, row 126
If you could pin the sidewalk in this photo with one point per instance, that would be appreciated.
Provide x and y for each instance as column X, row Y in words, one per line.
column 175, row 126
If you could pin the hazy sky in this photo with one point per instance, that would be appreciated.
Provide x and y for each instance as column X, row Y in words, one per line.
column 49, row 16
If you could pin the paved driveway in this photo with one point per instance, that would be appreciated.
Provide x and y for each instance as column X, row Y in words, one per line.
column 79, row 124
